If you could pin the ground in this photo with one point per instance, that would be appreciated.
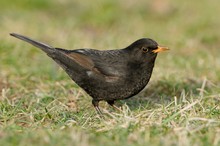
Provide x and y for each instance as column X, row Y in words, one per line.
column 40, row 105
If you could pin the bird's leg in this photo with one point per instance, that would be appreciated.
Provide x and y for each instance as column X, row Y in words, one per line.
column 95, row 103
column 111, row 103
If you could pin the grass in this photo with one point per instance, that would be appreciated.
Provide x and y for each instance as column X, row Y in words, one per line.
column 40, row 105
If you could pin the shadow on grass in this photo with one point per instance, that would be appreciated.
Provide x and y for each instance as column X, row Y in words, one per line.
column 163, row 92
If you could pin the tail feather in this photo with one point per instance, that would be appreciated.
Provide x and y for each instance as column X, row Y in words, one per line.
column 57, row 54
column 44, row 47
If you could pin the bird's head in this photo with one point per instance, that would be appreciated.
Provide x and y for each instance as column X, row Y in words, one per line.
column 145, row 50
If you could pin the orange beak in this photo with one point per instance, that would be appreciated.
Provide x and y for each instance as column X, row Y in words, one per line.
column 160, row 49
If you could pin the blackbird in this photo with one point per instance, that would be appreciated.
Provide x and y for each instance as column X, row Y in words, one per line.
column 107, row 75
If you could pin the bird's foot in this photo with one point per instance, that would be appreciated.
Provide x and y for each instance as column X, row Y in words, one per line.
column 95, row 103
column 111, row 103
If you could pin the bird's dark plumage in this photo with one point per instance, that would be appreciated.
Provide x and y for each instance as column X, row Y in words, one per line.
column 106, row 75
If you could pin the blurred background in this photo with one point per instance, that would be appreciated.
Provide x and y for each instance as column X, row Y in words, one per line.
column 40, row 105
column 189, row 28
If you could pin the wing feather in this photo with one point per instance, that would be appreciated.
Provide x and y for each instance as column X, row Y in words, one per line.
column 99, row 64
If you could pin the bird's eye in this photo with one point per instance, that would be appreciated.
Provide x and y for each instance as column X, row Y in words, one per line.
column 144, row 49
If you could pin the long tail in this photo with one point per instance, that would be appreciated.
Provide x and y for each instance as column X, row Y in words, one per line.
column 44, row 47
column 58, row 55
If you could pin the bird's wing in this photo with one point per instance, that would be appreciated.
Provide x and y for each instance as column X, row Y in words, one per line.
column 105, row 64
